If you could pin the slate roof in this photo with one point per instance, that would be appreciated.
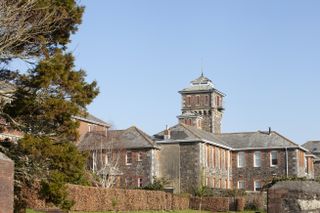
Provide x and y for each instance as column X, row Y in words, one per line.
column 131, row 138
column 183, row 132
column 233, row 141
column 312, row 146
column 201, row 84
column 92, row 119
column 255, row 140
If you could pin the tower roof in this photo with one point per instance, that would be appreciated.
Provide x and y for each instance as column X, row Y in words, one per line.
column 202, row 80
column 201, row 84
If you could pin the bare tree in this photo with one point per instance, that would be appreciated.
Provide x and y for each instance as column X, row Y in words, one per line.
column 23, row 25
column 105, row 161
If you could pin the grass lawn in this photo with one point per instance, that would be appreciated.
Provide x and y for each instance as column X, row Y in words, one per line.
column 184, row 211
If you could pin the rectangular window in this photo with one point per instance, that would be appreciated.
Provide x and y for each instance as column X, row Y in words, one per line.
column 140, row 182
column 208, row 157
column 241, row 160
column 218, row 158
column 198, row 100
column 188, row 100
column 257, row 159
column 213, row 157
column 94, row 161
column 241, row 184
column 128, row 181
column 273, row 158
column 129, row 158
column 223, row 159
column 106, row 159
column 139, row 156
column 257, row 186
column 207, row 100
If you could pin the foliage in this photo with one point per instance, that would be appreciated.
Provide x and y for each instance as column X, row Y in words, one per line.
column 46, row 97
column 204, row 191
column 269, row 183
column 35, row 28
column 41, row 159
column 158, row 184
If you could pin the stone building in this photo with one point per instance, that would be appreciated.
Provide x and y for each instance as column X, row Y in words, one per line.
column 202, row 105
column 314, row 148
column 191, row 157
column 90, row 123
column 259, row 156
column 130, row 154
column 195, row 152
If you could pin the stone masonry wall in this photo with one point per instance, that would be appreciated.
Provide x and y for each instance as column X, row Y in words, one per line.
column 317, row 168
column 249, row 173
column 190, row 167
column 294, row 196
column 137, row 170
column 6, row 184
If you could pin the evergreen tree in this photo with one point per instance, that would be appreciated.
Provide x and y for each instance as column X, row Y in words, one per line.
column 46, row 98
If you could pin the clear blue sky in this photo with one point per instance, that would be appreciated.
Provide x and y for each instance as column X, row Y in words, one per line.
column 265, row 55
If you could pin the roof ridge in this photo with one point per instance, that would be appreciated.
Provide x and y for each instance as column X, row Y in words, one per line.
column 286, row 138
column 144, row 135
column 190, row 130
column 230, row 133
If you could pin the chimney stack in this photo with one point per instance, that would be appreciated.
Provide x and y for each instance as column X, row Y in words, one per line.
column 167, row 133
column 269, row 130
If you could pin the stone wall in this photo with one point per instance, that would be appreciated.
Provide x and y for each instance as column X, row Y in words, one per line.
column 316, row 168
column 249, row 173
column 190, row 169
column 6, row 184
column 294, row 196
column 137, row 169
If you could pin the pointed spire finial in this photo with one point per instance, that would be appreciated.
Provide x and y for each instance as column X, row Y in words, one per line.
column 201, row 67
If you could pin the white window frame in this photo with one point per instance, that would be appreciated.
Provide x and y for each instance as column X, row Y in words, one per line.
column 106, row 159
column 139, row 156
column 238, row 159
column 128, row 163
column 255, row 183
column 255, row 161
column 94, row 161
column 271, row 164
column 140, row 182
column 244, row 184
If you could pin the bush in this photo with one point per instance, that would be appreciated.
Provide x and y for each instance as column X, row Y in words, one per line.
column 213, row 192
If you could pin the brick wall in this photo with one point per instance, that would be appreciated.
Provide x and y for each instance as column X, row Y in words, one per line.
column 98, row 199
column 6, row 184
column 213, row 204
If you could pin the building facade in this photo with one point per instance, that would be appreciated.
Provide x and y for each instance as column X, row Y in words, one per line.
column 202, row 105
column 130, row 156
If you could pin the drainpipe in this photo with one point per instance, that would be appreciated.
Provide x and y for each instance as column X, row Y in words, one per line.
column 179, row 169
column 287, row 162
column 228, row 169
